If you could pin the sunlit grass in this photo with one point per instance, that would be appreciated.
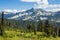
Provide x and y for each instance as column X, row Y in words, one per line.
column 17, row 35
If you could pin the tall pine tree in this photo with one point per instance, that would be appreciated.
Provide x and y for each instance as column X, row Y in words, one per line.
column 2, row 25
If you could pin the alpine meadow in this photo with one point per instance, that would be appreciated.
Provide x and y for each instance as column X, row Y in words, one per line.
column 29, row 19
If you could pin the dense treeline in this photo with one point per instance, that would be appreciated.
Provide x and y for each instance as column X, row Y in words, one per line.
column 46, row 28
column 40, row 26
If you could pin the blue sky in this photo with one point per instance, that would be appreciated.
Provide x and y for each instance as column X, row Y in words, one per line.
column 27, row 4
column 15, row 4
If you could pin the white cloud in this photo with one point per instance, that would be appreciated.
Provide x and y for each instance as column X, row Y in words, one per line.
column 30, row 0
column 39, row 3
column 12, row 11
column 55, row 10
column 9, row 10
column 44, row 4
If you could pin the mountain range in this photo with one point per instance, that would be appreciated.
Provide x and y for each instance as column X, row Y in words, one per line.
column 33, row 15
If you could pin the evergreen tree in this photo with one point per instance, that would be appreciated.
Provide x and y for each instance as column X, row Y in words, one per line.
column 2, row 24
column 56, row 31
column 9, row 24
column 59, row 32
column 48, row 28
column 40, row 27
column 32, row 28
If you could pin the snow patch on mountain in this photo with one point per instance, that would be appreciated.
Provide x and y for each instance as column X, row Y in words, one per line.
column 43, row 18
column 27, row 18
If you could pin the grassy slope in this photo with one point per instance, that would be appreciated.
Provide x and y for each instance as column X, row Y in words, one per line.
column 18, row 35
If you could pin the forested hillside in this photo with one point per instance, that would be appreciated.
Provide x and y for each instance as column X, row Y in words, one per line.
column 24, row 30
